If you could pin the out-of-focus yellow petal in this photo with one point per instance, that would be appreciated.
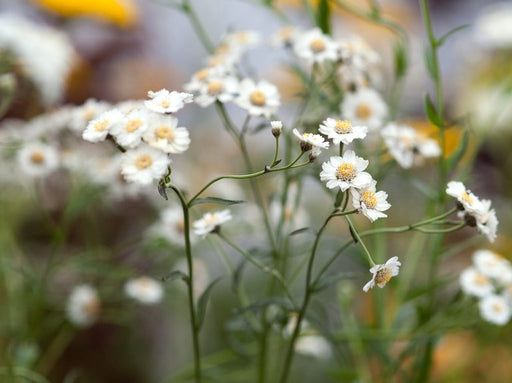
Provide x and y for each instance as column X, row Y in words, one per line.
column 120, row 12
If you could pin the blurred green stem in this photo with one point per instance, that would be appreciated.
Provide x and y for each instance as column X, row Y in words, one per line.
column 189, row 10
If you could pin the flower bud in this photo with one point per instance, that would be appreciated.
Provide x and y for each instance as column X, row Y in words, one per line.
column 277, row 126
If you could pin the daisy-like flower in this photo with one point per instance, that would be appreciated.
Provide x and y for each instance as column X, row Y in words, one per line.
column 144, row 164
column 261, row 99
column 467, row 200
column 129, row 130
column 83, row 307
column 201, row 77
column 346, row 172
column 310, row 140
column 164, row 101
column 370, row 202
column 98, row 129
column 315, row 47
column 383, row 273
column 407, row 146
column 37, row 159
column 486, row 220
column 474, row 282
column 365, row 107
column 241, row 41
column 342, row 131
column 495, row 309
column 223, row 89
column 145, row 290
column 211, row 222
column 163, row 133
column 82, row 115
column 490, row 264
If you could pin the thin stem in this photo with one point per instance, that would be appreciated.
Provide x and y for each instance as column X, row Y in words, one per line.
column 190, row 285
column 198, row 26
column 359, row 240
column 276, row 152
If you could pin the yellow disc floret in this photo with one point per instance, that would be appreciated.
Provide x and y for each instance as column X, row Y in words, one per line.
column 346, row 172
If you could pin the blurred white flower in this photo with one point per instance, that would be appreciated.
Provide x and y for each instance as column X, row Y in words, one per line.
column 313, row 345
column 474, row 282
column 163, row 133
column 370, row 202
column 490, row 264
column 98, row 129
column 342, row 131
column 383, row 273
column 259, row 99
column 346, row 172
column 285, row 36
column 83, row 114
column 145, row 290
column 315, row 47
column 493, row 28
column 495, row 309
column 211, row 222
column 310, row 140
column 364, row 107
column 164, row 101
column 223, row 89
column 84, row 306
column 407, row 146
column 144, row 164
column 37, row 159
column 129, row 129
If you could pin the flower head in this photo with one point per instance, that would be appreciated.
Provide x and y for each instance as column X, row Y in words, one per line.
column 310, row 140
column 495, row 309
column 259, row 99
column 163, row 133
column 217, row 88
column 145, row 290
column 211, row 222
column 474, row 282
column 164, row 101
column 365, row 107
column 83, row 306
column 129, row 129
column 315, row 47
column 144, row 164
column 277, row 127
column 467, row 200
column 383, row 273
column 370, row 202
column 342, row 131
column 98, row 129
column 38, row 159
column 346, row 172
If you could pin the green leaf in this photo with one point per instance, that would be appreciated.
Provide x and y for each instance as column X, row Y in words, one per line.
column 431, row 111
column 299, row 231
column 220, row 201
column 176, row 274
column 323, row 13
column 447, row 35
column 162, row 190
column 459, row 153
column 401, row 62
column 203, row 302
column 431, row 63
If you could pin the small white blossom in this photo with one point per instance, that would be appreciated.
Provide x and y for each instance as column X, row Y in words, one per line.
column 163, row 133
column 364, row 107
column 129, row 130
column 474, row 282
column 383, row 273
column 495, row 309
column 277, row 127
column 223, row 89
column 98, row 129
column 82, row 115
column 346, row 172
column 145, row 290
column 486, row 220
column 83, row 307
column 37, row 159
column 468, row 200
column 315, row 47
column 370, row 202
column 342, row 131
column 261, row 99
column 211, row 222
column 285, row 37
column 490, row 264
column 164, row 101
column 144, row 164
column 310, row 140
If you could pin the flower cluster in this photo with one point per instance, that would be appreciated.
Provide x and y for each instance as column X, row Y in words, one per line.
column 490, row 280
column 475, row 211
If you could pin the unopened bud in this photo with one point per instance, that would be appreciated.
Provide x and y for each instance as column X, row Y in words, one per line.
column 305, row 146
column 277, row 126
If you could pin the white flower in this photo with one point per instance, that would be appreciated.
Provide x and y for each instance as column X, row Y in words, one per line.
column 37, row 159
column 313, row 345
column 98, row 129
column 241, row 41
column 310, row 140
column 315, row 47
column 82, row 115
column 490, row 264
column 486, row 220
column 146, row 290
column 383, row 273
column 261, row 99
column 468, row 200
column 364, row 107
column 277, row 127
column 346, row 172
column 369, row 202
column 342, row 131
column 129, row 130
column 144, row 164
column 493, row 28
column 163, row 133
column 83, row 307
column 211, row 222
column 285, row 37
column 475, row 283
column 223, row 89
column 164, row 101
column 407, row 146
column 495, row 309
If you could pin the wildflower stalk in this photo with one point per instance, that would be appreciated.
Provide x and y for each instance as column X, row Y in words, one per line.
column 357, row 238
column 190, row 285
column 187, row 8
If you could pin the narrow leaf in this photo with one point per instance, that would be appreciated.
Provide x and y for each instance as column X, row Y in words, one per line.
column 447, row 35
column 400, row 60
column 431, row 111
column 354, row 236
column 459, row 153
column 176, row 274
column 220, row 201
column 299, row 231
column 322, row 16
column 162, row 190
column 203, row 302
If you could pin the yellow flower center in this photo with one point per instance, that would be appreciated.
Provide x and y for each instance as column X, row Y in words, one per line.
column 37, row 158
column 346, row 172
column 92, row 308
column 481, row 280
column 317, row 45
column 363, row 111
column 497, row 308
column 214, row 88
column 369, row 198
column 258, row 98
column 343, row 127
column 202, row 74
column 467, row 198
column 165, row 133
column 133, row 125
column 165, row 103
column 210, row 219
column 88, row 114
column 101, row 125
column 383, row 276
column 143, row 161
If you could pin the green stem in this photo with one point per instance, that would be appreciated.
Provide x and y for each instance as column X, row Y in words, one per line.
column 198, row 26
column 190, row 285
column 276, row 152
column 359, row 240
